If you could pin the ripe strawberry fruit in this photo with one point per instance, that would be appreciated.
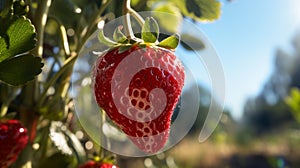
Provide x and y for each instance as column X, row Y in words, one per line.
column 139, row 88
column 93, row 164
column 13, row 138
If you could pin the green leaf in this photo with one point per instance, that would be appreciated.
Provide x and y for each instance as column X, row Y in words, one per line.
column 171, row 42
column 19, row 38
column 124, row 48
column 21, row 69
column 104, row 40
column 190, row 42
column 200, row 10
column 293, row 101
column 172, row 18
column 150, row 30
column 20, row 8
column 193, row 7
column 3, row 46
column 119, row 36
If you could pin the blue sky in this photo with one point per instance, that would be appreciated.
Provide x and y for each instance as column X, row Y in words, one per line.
column 246, row 38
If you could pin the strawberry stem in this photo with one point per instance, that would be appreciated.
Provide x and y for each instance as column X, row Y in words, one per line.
column 131, row 11
column 127, row 10
column 101, row 152
column 128, row 29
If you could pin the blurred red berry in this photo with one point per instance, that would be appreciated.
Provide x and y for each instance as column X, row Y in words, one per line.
column 93, row 164
column 13, row 139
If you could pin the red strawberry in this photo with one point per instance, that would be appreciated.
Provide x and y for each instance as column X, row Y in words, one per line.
column 139, row 89
column 13, row 138
column 93, row 164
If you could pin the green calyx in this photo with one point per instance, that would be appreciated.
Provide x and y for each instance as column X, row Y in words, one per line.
column 149, row 37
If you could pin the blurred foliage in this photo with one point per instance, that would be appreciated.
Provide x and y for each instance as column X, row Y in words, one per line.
column 294, row 103
column 171, row 24
column 268, row 111
column 202, row 10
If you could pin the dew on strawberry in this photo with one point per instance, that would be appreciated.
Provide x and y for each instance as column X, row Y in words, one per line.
column 138, row 86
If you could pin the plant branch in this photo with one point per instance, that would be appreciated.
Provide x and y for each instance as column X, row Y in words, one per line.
column 132, row 12
column 128, row 27
column 67, row 64
column 102, row 115
column 63, row 35
column 31, row 91
column 40, row 20
column 51, row 69
column 11, row 94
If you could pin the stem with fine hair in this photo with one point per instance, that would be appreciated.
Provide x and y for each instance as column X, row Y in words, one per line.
column 127, row 11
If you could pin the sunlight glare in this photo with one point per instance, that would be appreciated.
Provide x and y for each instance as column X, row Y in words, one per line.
column 294, row 6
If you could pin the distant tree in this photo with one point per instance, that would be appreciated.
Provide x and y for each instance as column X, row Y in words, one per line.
column 268, row 109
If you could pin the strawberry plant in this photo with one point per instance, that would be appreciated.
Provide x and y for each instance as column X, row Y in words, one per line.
column 40, row 40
